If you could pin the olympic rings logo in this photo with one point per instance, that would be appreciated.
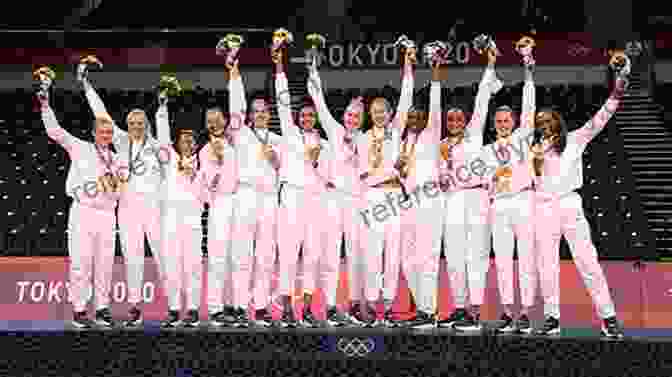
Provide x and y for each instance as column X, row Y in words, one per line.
column 356, row 347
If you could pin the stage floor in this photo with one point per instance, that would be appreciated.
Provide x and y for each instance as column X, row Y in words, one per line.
column 55, row 349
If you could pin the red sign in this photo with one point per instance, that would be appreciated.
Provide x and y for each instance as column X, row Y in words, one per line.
column 38, row 289
column 552, row 49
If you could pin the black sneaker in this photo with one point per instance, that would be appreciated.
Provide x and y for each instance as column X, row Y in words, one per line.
column 134, row 318
column 551, row 327
column 172, row 319
column 422, row 319
column 392, row 322
column 523, row 325
column 470, row 323
column 456, row 316
column 377, row 323
column 81, row 321
column 288, row 320
column 507, row 326
column 336, row 318
column 191, row 319
column 309, row 319
column 104, row 318
column 235, row 312
column 243, row 319
column 611, row 328
column 221, row 319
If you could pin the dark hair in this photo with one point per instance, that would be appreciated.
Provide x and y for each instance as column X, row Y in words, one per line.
column 184, row 130
column 256, row 97
column 562, row 139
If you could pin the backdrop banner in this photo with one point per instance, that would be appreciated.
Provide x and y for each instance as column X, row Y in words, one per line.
column 38, row 289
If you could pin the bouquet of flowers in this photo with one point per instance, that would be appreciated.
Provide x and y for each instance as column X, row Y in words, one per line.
column 282, row 38
column 315, row 41
column 169, row 86
column 404, row 42
column 229, row 46
column 43, row 78
column 435, row 52
column 525, row 47
column 620, row 62
column 484, row 42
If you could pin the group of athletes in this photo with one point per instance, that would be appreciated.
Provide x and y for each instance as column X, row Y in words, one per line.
column 284, row 196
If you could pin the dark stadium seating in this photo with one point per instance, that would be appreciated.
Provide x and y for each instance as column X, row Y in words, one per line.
column 32, row 179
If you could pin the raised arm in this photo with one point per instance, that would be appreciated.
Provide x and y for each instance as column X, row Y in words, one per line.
column 316, row 93
column 406, row 95
column 163, row 124
column 488, row 86
column 57, row 133
column 283, row 99
column 435, row 114
column 529, row 106
column 97, row 106
column 596, row 124
column 237, row 100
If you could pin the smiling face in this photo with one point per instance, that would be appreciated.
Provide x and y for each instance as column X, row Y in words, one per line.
column 103, row 129
column 308, row 117
column 503, row 123
column 417, row 120
column 261, row 113
column 186, row 143
column 136, row 121
column 549, row 122
column 455, row 122
column 215, row 122
column 380, row 113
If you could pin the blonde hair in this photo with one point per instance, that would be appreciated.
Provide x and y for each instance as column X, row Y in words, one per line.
column 136, row 112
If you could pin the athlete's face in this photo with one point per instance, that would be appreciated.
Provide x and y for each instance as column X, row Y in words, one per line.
column 455, row 122
column 136, row 125
column 549, row 123
column 103, row 131
column 379, row 113
column 186, row 144
column 417, row 120
column 261, row 113
column 307, row 117
column 352, row 118
column 215, row 122
column 503, row 124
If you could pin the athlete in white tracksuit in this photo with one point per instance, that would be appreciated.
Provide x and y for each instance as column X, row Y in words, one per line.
column 183, row 195
column 464, row 222
column 139, row 207
column 91, row 218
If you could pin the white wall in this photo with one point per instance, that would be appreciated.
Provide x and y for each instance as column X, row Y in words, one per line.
column 331, row 78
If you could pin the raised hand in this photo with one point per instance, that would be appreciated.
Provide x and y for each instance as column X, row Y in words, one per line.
column 229, row 46
column 620, row 63
column 84, row 64
column 44, row 78
column 410, row 57
column 169, row 86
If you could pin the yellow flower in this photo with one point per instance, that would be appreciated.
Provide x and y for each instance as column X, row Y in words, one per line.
column 316, row 41
column 524, row 42
column 283, row 35
column 234, row 40
column 171, row 84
